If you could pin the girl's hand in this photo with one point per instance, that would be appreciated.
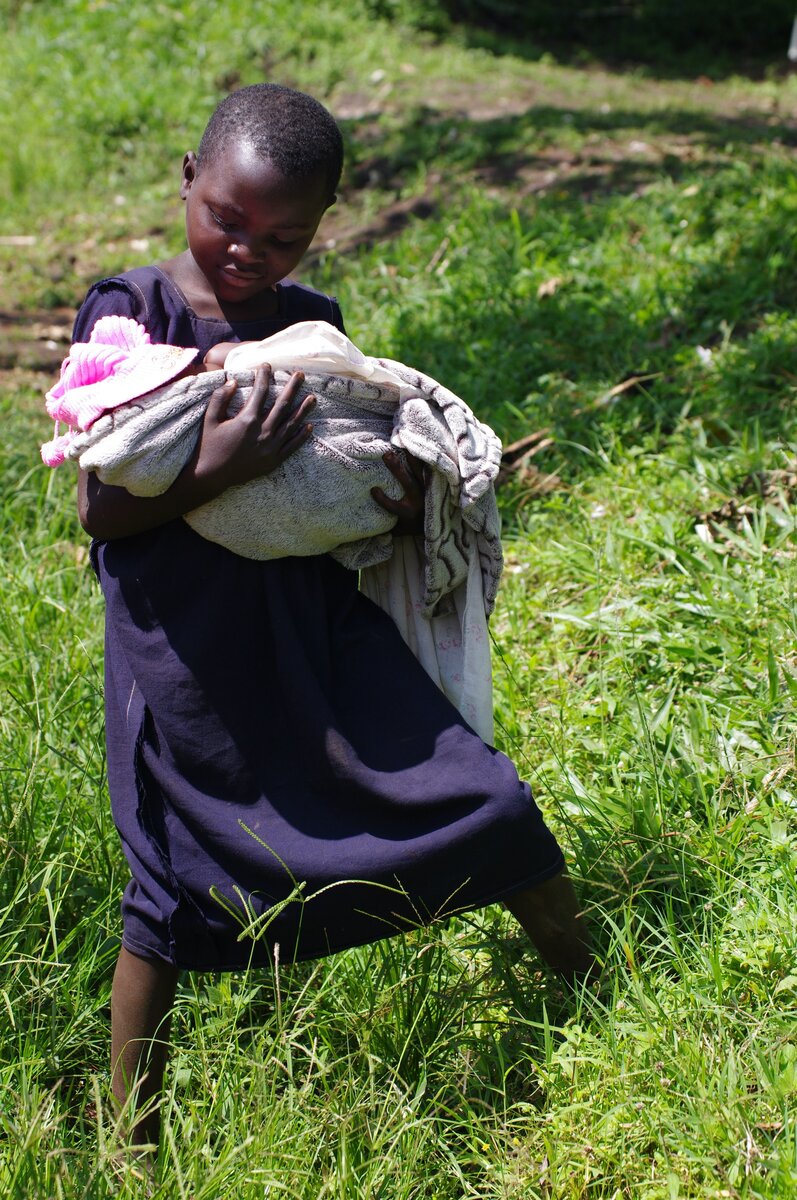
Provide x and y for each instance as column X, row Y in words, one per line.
column 231, row 449
column 409, row 509
column 235, row 448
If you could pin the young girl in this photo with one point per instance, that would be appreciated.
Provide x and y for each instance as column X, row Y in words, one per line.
column 275, row 753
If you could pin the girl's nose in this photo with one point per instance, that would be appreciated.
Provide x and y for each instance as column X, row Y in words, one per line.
column 242, row 251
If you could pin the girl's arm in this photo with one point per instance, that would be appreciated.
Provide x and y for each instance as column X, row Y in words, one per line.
column 230, row 450
column 214, row 359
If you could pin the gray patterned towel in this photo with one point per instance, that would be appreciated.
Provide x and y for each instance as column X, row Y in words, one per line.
column 319, row 500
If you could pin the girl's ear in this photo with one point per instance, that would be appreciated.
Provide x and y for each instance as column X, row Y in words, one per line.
column 189, row 174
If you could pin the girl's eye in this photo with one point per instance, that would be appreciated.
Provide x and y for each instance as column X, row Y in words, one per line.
column 227, row 226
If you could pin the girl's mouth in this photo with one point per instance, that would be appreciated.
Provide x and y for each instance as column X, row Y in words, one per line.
column 241, row 278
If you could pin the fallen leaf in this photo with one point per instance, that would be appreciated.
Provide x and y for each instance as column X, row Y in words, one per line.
column 550, row 287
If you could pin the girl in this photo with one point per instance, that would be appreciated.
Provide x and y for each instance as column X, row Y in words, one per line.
column 277, row 759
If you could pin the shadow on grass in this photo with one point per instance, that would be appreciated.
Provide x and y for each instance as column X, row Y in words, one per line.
column 598, row 47
column 578, row 151
column 585, row 337
column 753, row 383
column 681, row 41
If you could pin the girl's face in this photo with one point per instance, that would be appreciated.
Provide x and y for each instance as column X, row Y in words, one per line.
column 247, row 225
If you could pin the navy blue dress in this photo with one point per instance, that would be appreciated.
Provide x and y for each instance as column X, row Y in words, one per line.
column 281, row 769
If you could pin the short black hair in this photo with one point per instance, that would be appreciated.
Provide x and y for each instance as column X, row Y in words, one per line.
column 290, row 128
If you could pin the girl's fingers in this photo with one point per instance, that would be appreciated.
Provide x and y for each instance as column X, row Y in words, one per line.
column 302, row 411
column 281, row 406
column 399, row 508
column 281, row 422
column 409, row 509
column 295, row 431
column 258, row 400
column 409, row 476
column 220, row 398
column 296, row 438
column 258, row 396
column 386, row 501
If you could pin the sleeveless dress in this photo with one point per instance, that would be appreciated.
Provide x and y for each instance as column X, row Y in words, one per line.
column 281, row 769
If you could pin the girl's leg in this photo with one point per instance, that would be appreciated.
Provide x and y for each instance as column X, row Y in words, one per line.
column 141, row 1003
column 551, row 917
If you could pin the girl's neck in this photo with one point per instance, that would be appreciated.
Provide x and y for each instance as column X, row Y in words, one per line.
column 185, row 274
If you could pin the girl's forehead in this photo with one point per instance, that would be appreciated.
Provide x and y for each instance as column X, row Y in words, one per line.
column 243, row 177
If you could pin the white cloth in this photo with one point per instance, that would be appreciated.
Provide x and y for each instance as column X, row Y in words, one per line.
column 319, row 500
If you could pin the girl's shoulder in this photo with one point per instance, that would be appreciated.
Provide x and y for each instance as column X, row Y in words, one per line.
column 144, row 293
column 148, row 295
column 298, row 302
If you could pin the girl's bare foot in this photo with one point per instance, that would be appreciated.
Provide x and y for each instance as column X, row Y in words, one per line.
column 551, row 916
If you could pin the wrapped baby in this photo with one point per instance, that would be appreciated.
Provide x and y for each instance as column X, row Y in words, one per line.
column 134, row 410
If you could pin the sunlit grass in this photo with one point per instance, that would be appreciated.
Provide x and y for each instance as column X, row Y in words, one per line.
column 645, row 667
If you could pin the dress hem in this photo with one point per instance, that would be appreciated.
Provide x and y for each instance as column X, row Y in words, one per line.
column 153, row 955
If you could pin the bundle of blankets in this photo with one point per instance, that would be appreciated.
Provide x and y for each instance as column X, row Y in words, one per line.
column 439, row 590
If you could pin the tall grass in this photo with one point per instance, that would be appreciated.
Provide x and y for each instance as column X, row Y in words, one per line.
column 645, row 671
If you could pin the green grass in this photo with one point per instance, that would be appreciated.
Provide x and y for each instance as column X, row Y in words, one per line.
column 644, row 641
